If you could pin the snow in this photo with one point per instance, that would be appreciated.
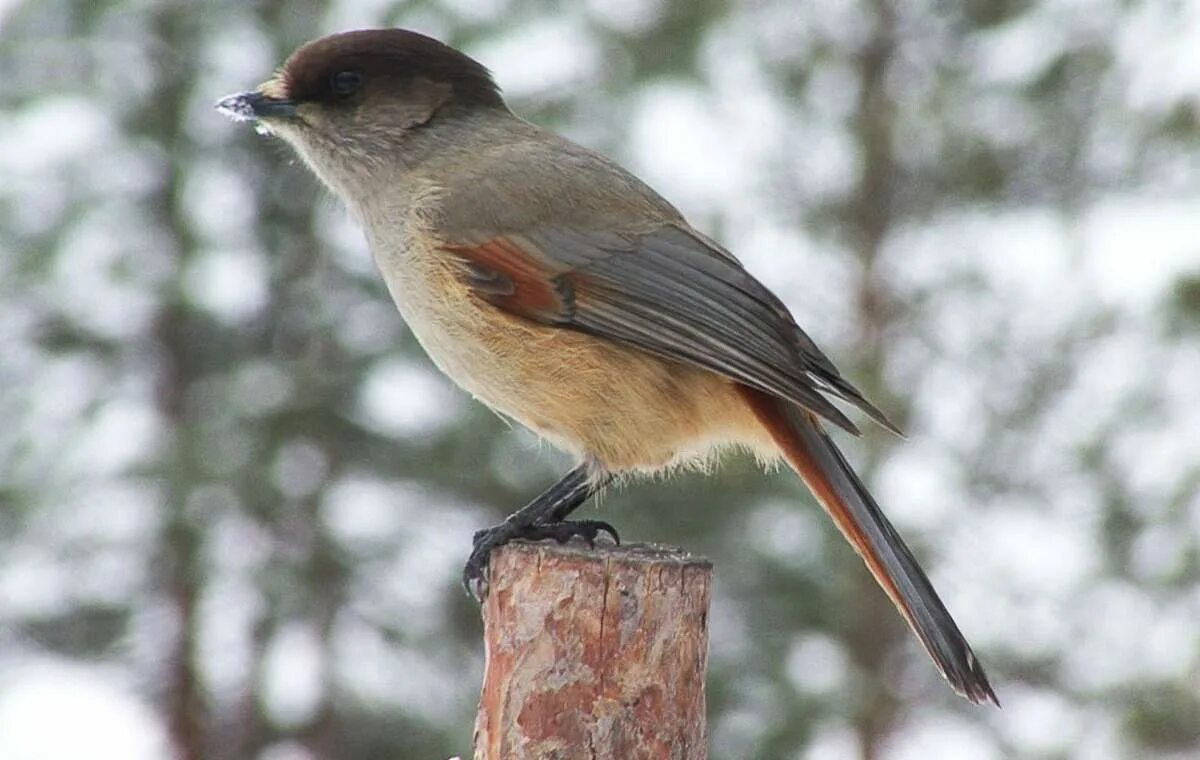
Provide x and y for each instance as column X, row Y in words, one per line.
column 57, row 709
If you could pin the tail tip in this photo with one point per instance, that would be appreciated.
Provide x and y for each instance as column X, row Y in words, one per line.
column 973, row 683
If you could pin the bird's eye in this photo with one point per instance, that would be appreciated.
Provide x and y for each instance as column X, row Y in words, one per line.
column 345, row 83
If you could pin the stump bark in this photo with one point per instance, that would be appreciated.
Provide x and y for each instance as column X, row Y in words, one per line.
column 594, row 653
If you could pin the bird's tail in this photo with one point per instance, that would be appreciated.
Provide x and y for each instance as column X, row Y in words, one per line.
column 811, row 453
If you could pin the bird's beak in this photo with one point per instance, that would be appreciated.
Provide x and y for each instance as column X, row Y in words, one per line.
column 252, row 105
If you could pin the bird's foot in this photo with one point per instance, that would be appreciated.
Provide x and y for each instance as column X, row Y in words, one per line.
column 565, row 530
column 474, row 576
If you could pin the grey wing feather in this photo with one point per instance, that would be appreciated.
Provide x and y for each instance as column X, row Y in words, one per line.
column 674, row 293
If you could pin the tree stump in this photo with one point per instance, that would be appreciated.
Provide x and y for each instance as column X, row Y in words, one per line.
column 594, row 653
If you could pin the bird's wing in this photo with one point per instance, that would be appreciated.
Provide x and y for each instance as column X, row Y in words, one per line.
column 669, row 291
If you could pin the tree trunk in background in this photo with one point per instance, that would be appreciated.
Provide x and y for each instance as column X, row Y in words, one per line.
column 875, row 628
column 163, row 117
column 320, row 735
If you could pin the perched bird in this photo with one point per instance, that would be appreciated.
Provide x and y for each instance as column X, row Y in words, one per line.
column 561, row 291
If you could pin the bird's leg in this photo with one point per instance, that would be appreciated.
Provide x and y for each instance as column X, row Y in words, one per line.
column 544, row 517
column 556, row 525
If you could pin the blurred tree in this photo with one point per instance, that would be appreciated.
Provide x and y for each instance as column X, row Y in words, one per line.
column 228, row 474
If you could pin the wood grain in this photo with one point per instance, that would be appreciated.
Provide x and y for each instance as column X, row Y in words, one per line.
column 594, row 654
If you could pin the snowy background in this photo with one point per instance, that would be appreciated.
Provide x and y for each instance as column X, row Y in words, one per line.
column 235, row 497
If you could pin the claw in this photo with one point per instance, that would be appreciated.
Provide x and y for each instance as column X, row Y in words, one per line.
column 476, row 587
column 474, row 575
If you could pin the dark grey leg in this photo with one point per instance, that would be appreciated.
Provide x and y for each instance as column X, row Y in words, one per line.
column 544, row 517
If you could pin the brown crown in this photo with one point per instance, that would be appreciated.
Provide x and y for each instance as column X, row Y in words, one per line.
column 394, row 53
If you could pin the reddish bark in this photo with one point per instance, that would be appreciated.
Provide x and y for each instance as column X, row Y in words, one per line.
column 594, row 654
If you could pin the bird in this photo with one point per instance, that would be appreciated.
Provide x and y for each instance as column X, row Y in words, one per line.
column 561, row 291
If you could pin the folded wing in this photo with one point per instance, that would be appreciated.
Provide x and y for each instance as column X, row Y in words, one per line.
column 671, row 292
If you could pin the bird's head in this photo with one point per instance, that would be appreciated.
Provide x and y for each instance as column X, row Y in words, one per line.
column 351, row 102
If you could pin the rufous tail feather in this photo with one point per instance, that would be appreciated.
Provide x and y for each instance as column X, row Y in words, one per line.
column 812, row 454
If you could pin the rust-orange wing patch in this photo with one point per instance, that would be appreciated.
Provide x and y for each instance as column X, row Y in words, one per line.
column 504, row 274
